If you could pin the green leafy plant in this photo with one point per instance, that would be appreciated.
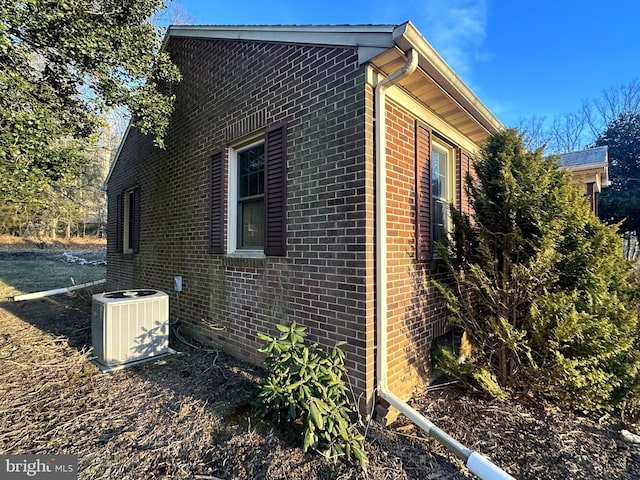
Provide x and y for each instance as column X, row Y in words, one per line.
column 305, row 386
column 464, row 369
column 64, row 64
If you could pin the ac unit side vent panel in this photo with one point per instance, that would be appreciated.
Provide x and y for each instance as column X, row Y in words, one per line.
column 129, row 327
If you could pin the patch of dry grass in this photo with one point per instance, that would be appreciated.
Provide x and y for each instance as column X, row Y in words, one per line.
column 10, row 242
column 24, row 272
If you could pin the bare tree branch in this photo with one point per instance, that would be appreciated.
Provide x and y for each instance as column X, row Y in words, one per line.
column 533, row 133
column 567, row 133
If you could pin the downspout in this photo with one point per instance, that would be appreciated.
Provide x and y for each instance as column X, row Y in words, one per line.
column 475, row 462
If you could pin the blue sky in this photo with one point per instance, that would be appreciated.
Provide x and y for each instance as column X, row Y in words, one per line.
column 521, row 58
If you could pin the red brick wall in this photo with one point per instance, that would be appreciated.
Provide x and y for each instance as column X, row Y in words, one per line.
column 326, row 280
column 416, row 316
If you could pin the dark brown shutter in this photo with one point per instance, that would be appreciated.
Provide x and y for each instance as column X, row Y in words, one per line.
column 275, row 191
column 463, row 169
column 216, row 223
column 423, row 192
column 119, row 222
column 135, row 211
column 591, row 196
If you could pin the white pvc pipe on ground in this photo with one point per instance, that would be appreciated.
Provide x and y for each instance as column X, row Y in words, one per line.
column 483, row 468
column 56, row 291
column 475, row 462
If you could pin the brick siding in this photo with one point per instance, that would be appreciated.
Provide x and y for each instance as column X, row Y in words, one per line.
column 325, row 281
column 416, row 316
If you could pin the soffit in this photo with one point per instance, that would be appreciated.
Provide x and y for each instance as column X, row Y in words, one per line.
column 435, row 85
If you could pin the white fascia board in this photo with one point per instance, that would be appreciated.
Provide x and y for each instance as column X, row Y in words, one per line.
column 602, row 171
column 370, row 40
column 585, row 166
column 406, row 36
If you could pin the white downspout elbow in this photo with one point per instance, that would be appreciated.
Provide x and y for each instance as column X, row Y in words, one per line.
column 476, row 463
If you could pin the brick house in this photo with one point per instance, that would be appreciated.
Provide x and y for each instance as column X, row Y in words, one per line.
column 589, row 167
column 306, row 175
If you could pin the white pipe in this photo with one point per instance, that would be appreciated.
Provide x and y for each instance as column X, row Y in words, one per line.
column 57, row 291
column 381, row 210
column 475, row 462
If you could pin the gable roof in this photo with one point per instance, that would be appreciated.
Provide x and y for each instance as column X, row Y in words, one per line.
column 589, row 166
column 370, row 40
column 589, row 158
column 385, row 48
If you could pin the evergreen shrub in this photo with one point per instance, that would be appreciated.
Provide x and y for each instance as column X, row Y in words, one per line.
column 541, row 286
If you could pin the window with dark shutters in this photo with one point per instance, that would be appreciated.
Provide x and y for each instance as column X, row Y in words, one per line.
column 216, row 226
column 423, row 192
column 275, row 190
column 128, row 221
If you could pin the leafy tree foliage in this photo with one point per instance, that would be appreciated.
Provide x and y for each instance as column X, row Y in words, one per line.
column 541, row 287
column 63, row 63
column 620, row 202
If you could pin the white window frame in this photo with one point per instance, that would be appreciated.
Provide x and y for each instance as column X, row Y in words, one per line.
column 232, row 200
column 450, row 179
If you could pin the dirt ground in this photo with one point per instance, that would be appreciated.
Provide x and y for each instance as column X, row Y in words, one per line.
column 187, row 416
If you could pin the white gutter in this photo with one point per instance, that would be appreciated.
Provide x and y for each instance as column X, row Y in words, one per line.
column 475, row 462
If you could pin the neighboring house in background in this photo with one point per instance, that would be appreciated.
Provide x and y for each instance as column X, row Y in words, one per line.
column 591, row 168
column 307, row 172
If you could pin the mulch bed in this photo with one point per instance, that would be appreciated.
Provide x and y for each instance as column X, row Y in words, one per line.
column 187, row 416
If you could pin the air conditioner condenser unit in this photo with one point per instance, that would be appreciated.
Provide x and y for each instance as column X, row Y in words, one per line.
column 129, row 326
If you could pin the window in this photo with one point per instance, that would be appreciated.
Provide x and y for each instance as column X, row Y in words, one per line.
column 129, row 205
column 256, row 198
column 442, row 189
column 128, row 224
column 250, row 196
column 441, row 171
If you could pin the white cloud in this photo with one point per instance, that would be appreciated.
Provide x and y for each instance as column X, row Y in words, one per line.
column 455, row 28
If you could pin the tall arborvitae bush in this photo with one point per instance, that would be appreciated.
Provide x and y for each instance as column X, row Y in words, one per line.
column 541, row 287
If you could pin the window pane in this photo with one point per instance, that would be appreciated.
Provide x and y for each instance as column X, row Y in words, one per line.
column 251, row 171
column 129, row 208
column 252, row 223
column 439, row 219
column 444, row 163
column 439, row 172
column 435, row 174
column 441, row 169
